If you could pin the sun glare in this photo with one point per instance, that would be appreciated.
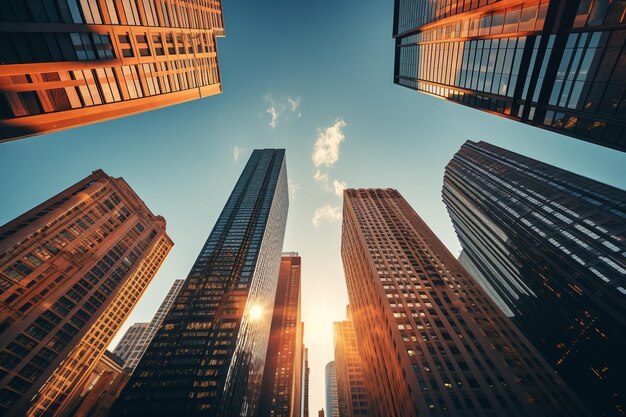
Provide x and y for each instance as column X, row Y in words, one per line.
column 255, row 312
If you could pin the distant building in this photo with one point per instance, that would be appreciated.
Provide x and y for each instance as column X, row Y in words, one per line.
column 431, row 341
column 549, row 245
column 71, row 270
column 307, row 374
column 320, row 413
column 100, row 391
column 281, row 391
column 80, row 62
column 553, row 64
column 208, row 356
column 133, row 344
column 332, row 402
column 137, row 338
column 351, row 392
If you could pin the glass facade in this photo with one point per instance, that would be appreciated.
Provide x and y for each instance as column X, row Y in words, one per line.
column 71, row 270
column 551, row 246
column 72, row 62
column 432, row 343
column 559, row 65
column 208, row 356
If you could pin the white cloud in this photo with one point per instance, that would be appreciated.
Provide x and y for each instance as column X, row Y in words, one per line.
column 326, row 213
column 273, row 111
column 236, row 153
column 294, row 104
column 293, row 188
column 321, row 178
column 338, row 187
column 326, row 148
column 275, row 114
column 275, row 108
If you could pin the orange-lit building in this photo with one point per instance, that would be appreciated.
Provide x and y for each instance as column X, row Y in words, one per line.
column 71, row 271
column 70, row 63
column 351, row 392
column 281, row 390
column 431, row 340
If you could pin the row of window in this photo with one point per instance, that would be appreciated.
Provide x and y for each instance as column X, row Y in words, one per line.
column 515, row 19
column 414, row 13
column 490, row 66
column 109, row 85
column 172, row 14
column 25, row 48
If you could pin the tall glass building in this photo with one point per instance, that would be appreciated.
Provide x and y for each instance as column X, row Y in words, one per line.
column 67, row 63
column 558, row 65
column 208, row 356
column 431, row 341
column 551, row 246
column 71, row 271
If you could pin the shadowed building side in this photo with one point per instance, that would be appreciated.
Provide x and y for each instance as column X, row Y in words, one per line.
column 549, row 245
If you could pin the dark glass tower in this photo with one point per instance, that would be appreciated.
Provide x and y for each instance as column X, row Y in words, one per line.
column 551, row 246
column 432, row 343
column 207, row 357
column 555, row 64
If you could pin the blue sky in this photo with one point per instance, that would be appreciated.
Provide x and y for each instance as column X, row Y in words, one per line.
column 334, row 59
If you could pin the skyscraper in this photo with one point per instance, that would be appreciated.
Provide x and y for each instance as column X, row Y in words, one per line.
column 550, row 245
column 208, row 356
column 68, row 63
column 137, row 338
column 281, row 391
column 553, row 64
column 351, row 393
column 431, row 340
column 332, row 403
column 71, row 270
column 307, row 374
